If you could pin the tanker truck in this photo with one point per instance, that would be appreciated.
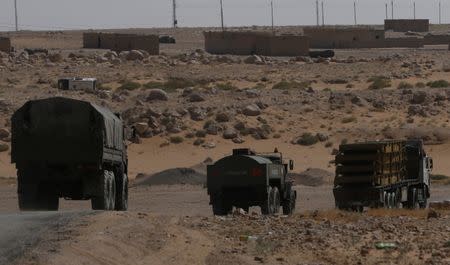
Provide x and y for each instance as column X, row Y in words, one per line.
column 247, row 178
column 72, row 149
column 388, row 174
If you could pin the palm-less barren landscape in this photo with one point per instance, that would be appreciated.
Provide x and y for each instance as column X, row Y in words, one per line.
column 191, row 108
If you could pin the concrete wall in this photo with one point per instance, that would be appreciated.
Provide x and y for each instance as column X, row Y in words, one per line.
column 342, row 38
column 5, row 44
column 436, row 39
column 404, row 25
column 261, row 43
column 121, row 42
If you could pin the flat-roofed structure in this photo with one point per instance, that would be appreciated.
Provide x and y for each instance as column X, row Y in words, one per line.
column 121, row 42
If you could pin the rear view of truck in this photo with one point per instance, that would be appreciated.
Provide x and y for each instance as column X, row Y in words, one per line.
column 387, row 174
column 71, row 149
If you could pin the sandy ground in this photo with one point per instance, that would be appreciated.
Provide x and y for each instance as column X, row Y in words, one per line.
column 174, row 225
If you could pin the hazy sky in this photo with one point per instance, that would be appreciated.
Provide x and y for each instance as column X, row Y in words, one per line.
column 83, row 14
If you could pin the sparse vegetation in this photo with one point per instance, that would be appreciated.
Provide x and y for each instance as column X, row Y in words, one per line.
column 153, row 85
column 328, row 144
column 420, row 85
column 307, row 139
column 349, row 119
column 405, row 85
column 438, row 84
column 226, row 86
column 379, row 82
column 176, row 139
column 286, row 85
column 129, row 85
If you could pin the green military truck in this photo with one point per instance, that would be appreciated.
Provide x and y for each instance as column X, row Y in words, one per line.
column 246, row 179
column 66, row 148
column 387, row 174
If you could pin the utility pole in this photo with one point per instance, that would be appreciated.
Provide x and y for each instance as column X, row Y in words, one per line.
column 386, row 10
column 174, row 15
column 323, row 15
column 392, row 9
column 271, row 13
column 221, row 15
column 440, row 21
column 317, row 12
column 414, row 7
column 15, row 11
column 354, row 13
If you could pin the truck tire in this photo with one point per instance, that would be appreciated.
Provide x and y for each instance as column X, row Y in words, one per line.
column 121, row 192
column 386, row 200
column 266, row 206
column 220, row 208
column 35, row 197
column 423, row 203
column 107, row 189
column 276, row 201
column 289, row 204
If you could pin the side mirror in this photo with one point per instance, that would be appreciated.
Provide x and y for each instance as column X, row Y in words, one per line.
column 291, row 165
column 431, row 163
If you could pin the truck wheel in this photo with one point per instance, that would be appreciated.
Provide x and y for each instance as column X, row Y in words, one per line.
column 220, row 209
column 423, row 202
column 386, row 200
column 276, row 201
column 415, row 199
column 32, row 196
column 107, row 186
column 121, row 192
column 289, row 204
column 266, row 207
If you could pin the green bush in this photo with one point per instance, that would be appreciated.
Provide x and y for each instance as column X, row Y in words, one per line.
column 404, row 85
column 420, row 85
column 226, row 86
column 379, row 82
column 286, row 85
column 129, row 85
column 438, row 84
column 307, row 139
column 349, row 119
column 153, row 84
column 176, row 139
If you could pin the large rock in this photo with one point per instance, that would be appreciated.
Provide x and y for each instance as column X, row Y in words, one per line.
column 134, row 55
column 141, row 128
column 419, row 97
column 254, row 59
column 4, row 133
column 3, row 146
column 251, row 110
column 157, row 94
column 55, row 57
column 196, row 97
column 222, row 117
column 197, row 114
column 230, row 133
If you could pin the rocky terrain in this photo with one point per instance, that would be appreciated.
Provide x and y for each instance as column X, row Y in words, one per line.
column 186, row 105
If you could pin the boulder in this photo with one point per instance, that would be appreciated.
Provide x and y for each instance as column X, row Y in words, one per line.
column 157, row 94
column 254, row 59
column 141, row 128
column 196, row 97
column 229, row 133
column 55, row 57
column 251, row 110
column 197, row 114
column 4, row 133
column 134, row 55
column 3, row 146
column 222, row 117
column 419, row 97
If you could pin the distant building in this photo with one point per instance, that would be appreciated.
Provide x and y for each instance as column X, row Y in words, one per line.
column 251, row 42
column 404, row 25
column 5, row 44
column 121, row 42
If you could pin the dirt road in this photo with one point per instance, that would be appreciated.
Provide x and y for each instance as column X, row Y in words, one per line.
column 19, row 232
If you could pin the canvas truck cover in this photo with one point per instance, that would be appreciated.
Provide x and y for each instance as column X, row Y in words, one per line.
column 62, row 130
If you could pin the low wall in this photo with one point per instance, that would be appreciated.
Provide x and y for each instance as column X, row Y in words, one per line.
column 436, row 39
column 261, row 43
column 121, row 42
column 5, row 44
column 404, row 25
column 342, row 38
